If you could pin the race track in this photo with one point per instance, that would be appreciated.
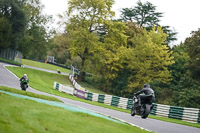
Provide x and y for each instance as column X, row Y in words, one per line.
column 10, row 80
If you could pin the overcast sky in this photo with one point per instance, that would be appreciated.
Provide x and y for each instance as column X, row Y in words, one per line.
column 182, row 15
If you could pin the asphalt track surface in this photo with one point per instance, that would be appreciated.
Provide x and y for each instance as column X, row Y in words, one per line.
column 41, row 69
column 10, row 80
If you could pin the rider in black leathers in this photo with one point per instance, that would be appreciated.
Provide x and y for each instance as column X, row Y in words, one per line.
column 148, row 97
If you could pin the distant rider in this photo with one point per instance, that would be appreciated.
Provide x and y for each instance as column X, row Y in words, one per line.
column 24, row 79
column 148, row 97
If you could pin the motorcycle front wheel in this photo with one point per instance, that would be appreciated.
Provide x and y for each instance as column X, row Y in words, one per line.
column 24, row 87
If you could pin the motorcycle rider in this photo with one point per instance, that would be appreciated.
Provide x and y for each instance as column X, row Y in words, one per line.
column 25, row 77
column 149, row 95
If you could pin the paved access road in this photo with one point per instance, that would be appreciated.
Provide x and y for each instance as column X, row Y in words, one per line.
column 41, row 69
column 8, row 79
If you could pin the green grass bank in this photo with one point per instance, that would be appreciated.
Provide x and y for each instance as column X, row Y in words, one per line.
column 27, row 116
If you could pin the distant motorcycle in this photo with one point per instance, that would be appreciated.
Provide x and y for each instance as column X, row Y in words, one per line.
column 142, row 110
column 24, row 85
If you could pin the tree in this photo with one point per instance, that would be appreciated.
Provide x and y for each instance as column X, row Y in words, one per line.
column 185, row 72
column 145, row 15
column 85, row 16
column 193, row 49
column 60, row 48
column 179, row 68
column 12, row 13
column 149, row 59
column 37, row 32
column 5, row 33
column 125, row 68
column 171, row 34
column 186, row 91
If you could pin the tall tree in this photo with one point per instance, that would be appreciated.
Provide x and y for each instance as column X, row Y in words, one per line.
column 179, row 68
column 145, row 15
column 149, row 59
column 5, row 33
column 12, row 13
column 127, row 67
column 85, row 16
column 37, row 32
column 60, row 48
column 193, row 49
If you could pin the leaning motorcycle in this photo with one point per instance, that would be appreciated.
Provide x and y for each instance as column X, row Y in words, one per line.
column 143, row 110
column 24, row 85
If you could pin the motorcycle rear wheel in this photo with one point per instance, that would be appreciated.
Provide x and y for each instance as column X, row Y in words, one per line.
column 146, row 111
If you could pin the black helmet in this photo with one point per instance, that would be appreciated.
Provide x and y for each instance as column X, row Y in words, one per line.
column 146, row 86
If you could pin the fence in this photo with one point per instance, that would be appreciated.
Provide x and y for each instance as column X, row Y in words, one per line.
column 11, row 55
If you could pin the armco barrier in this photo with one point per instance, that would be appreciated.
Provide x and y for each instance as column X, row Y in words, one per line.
column 123, row 103
column 101, row 98
column 190, row 114
column 176, row 112
column 108, row 99
column 162, row 110
column 129, row 104
column 81, row 94
column 115, row 101
column 153, row 111
column 89, row 96
column 186, row 114
column 199, row 117
column 62, row 88
column 75, row 84
column 95, row 97
column 56, row 85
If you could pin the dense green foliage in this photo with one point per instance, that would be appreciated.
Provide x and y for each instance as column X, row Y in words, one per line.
column 23, row 27
column 37, row 34
column 12, row 23
column 60, row 49
column 193, row 49
column 144, row 60
column 186, row 72
column 5, row 33
column 85, row 17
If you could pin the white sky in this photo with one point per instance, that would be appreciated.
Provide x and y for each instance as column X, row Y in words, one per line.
column 182, row 15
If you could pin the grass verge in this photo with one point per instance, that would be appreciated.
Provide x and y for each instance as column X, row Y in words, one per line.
column 10, row 62
column 28, row 94
column 18, row 116
column 43, row 81
column 44, row 66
